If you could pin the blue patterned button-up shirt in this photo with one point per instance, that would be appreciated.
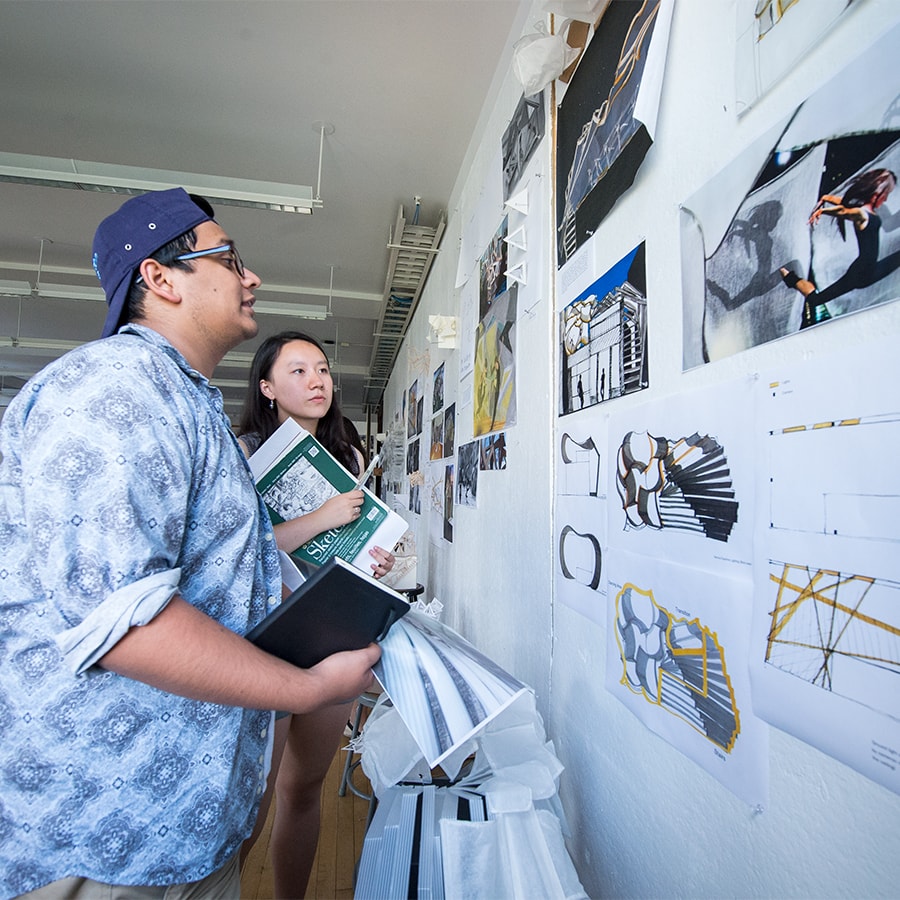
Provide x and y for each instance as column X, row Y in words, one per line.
column 120, row 483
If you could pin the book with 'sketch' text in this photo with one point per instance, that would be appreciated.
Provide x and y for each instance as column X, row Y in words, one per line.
column 295, row 475
column 338, row 607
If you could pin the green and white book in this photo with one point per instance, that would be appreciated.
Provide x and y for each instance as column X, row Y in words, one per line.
column 295, row 475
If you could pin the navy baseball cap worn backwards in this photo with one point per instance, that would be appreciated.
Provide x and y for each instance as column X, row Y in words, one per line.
column 135, row 231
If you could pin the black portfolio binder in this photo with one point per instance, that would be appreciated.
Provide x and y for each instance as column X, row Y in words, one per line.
column 338, row 607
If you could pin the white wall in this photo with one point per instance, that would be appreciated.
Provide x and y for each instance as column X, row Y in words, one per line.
column 646, row 822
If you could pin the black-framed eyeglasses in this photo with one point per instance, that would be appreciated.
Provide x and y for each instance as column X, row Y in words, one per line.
column 235, row 260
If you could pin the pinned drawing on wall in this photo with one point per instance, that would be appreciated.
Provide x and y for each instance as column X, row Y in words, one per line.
column 580, row 542
column 449, row 429
column 435, row 497
column 603, row 336
column 492, row 452
column 412, row 422
column 492, row 270
column 579, row 472
column 859, row 648
column 677, row 649
column 468, row 322
column 589, row 567
column 416, row 487
column 448, row 503
column 412, row 457
column 826, row 627
column 393, row 460
column 524, row 132
column 681, row 475
column 802, row 228
column 676, row 664
column 467, row 474
column 437, row 392
column 679, row 483
column 772, row 37
column 437, row 438
column 494, row 401
column 607, row 117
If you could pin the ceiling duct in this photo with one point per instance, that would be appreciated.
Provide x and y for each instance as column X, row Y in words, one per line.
column 413, row 248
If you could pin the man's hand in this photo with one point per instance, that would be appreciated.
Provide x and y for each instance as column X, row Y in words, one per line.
column 348, row 674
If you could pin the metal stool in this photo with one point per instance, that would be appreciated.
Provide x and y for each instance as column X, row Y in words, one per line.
column 365, row 700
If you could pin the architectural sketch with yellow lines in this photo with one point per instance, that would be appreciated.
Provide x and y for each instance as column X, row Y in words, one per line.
column 848, row 497
column 825, row 663
column 837, row 631
column 676, row 664
column 677, row 657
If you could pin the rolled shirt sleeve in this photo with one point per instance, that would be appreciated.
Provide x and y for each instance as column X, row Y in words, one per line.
column 135, row 604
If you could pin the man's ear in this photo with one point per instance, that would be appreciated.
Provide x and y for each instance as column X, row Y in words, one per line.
column 157, row 278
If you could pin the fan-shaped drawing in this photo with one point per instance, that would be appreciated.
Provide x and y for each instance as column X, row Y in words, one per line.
column 682, row 484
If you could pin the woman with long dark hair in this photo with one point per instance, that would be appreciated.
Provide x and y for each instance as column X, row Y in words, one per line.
column 290, row 378
column 865, row 194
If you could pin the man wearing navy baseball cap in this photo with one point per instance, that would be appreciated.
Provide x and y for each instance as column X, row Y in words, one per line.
column 137, row 553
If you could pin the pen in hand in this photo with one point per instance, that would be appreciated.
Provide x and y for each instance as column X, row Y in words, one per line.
column 369, row 470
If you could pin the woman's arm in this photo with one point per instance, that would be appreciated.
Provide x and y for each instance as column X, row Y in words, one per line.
column 830, row 205
column 335, row 511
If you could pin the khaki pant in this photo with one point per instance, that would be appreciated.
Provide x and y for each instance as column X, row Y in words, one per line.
column 224, row 884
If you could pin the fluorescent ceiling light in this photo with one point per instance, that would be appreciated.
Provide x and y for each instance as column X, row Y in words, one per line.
column 297, row 310
column 57, row 346
column 86, row 292
column 14, row 288
column 51, row 171
column 70, row 292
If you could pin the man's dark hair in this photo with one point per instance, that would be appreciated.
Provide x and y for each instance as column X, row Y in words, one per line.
column 166, row 256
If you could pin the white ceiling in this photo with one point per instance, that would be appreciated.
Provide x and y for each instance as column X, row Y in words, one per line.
column 240, row 88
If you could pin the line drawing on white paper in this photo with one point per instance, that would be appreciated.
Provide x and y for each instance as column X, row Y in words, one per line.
column 838, row 631
column 772, row 36
column 676, row 664
column 682, row 484
column 579, row 474
column 851, row 488
column 580, row 557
